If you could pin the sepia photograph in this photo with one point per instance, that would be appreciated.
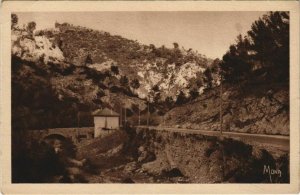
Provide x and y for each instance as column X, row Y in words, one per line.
column 150, row 97
column 106, row 97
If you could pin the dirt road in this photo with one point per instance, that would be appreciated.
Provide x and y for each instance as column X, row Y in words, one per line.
column 283, row 142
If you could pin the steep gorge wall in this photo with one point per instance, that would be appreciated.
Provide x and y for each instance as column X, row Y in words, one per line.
column 205, row 159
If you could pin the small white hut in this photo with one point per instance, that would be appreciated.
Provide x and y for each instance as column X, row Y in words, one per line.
column 105, row 120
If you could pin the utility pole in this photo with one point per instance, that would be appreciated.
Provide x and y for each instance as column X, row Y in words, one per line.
column 221, row 105
column 139, row 116
column 77, row 132
column 125, row 116
column 121, row 117
column 148, row 113
column 78, row 119
column 221, row 125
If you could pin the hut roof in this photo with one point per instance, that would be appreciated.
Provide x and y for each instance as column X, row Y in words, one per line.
column 105, row 112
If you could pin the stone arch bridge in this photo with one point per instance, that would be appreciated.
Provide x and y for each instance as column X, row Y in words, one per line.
column 75, row 134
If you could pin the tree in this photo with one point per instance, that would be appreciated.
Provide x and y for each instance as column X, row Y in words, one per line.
column 135, row 84
column 181, row 99
column 155, row 88
column 114, row 69
column 198, row 81
column 193, row 93
column 176, row 46
column 88, row 60
column 156, row 97
column 236, row 64
column 176, row 56
column 124, row 81
column 215, row 65
column 31, row 26
column 155, row 94
column 265, row 48
column 169, row 101
column 270, row 43
column 14, row 21
column 208, row 77
column 152, row 47
column 164, row 52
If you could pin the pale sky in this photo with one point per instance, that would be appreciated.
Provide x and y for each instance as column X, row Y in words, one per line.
column 210, row 33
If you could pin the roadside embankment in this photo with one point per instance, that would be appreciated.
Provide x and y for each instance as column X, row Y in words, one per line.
column 257, row 109
column 140, row 155
column 208, row 159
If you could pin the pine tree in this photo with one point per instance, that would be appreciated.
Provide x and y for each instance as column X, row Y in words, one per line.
column 31, row 26
column 88, row 59
column 181, row 99
column 135, row 84
column 236, row 64
column 266, row 47
column 124, row 81
column 114, row 69
column 270, row 42
column 14, row 21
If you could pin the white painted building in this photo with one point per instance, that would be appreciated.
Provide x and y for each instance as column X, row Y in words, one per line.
column 104, row 121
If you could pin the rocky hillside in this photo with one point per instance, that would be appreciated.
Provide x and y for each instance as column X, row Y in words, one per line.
column 78, row 70
column 257, row 108
column 171, row 70
column 49, row 91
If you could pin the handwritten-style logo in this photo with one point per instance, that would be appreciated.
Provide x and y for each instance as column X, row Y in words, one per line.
column 271, row 172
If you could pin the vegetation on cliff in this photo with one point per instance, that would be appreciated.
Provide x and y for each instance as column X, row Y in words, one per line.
column 255, row 77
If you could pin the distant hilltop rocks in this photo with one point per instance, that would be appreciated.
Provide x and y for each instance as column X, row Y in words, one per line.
column 35, row 48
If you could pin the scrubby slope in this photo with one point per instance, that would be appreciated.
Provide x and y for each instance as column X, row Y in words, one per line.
column 260, row 108
column 172, row 70
column 82, row 70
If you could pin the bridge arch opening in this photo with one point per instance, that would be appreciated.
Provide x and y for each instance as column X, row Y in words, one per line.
column 55, row 137
column 61, row 144
column 56, row 141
